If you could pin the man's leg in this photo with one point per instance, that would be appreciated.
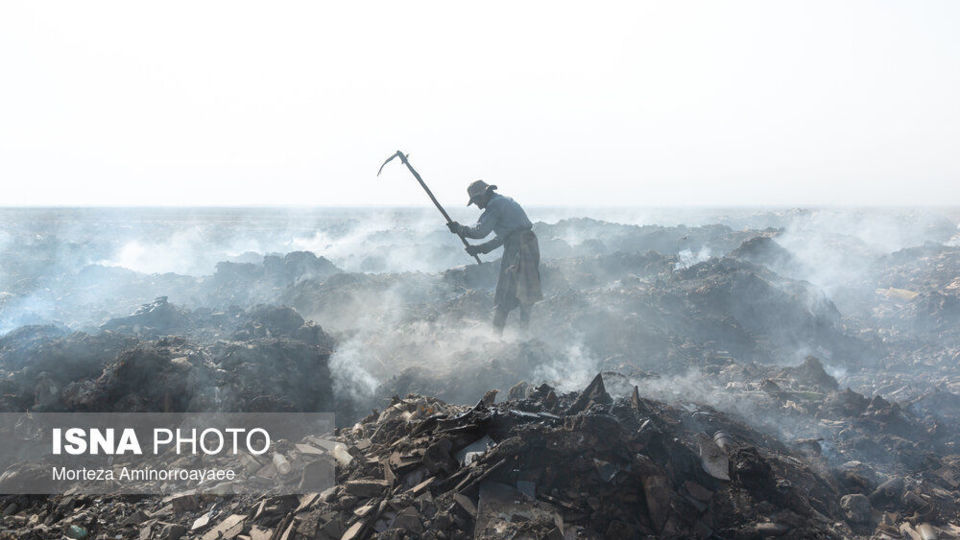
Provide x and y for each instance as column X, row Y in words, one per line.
column 500, row 320
column 524, row 316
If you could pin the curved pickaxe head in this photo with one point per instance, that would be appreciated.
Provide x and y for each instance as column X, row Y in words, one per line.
column 389, row 159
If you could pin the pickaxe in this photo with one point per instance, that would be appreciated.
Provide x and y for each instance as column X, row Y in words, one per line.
column 416, row 175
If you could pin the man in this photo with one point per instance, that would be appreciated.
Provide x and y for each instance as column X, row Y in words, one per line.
column 518, row 285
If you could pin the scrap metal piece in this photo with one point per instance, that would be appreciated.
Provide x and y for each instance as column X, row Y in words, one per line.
column 723, row 440
column 713, row 459
column 474, row 450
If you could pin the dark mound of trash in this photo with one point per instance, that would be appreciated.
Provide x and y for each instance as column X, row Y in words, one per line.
column 164, row 358
column 759, row 379
column 540, row 464
column 764, row 250
column 246, row 283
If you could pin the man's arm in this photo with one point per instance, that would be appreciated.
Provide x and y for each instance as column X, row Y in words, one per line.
column 487, row 247
column 488, row 219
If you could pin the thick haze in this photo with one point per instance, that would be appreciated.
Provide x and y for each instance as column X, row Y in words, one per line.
column 666, row 103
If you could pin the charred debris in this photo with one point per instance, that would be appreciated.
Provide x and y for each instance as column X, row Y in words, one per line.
column 658, row 393
column 548, row 464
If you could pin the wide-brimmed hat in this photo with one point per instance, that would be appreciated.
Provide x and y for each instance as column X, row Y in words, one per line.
column 478, row 188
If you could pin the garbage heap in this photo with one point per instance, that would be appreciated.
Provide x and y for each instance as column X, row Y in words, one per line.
column 540, row 464
column 580, row 465
column 238, row 360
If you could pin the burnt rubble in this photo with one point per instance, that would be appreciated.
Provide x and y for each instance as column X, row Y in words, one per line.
column 687, row 382
column 253, row 360
column 545, row 464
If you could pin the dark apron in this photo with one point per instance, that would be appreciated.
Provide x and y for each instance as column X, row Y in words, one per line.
column 519, row 280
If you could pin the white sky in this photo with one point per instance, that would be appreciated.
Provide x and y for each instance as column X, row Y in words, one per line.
column 579, row 103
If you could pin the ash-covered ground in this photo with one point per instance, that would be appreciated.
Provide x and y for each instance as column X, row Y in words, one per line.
column 790, row 373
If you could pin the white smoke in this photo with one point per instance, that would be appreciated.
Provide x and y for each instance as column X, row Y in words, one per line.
column 687, row 258
column 569, row 372
column 188, row 251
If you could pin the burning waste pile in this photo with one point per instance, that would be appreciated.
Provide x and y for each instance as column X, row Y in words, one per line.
column 253, row 360
column 745, row 388
column 541, row 464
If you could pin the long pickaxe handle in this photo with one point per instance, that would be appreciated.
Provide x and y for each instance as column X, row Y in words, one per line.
column 423, row 184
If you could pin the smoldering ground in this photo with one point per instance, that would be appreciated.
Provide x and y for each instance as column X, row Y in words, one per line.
column 753, row 324
column 82, row 270
column 393, row 289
